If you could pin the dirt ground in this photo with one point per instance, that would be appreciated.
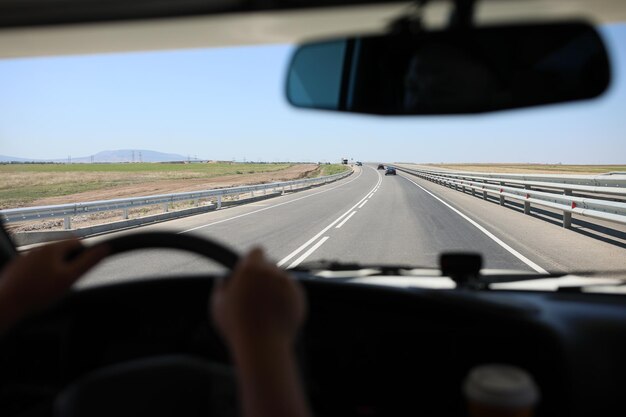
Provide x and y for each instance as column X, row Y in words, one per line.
column 153, row 188
column 181, row 185
column 534, row 168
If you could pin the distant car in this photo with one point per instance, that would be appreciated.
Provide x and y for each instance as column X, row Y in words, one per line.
column 359, row 163
column 390, row 171
column 381, row 166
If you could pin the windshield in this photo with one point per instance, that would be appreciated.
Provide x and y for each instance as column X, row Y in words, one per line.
column 160, row 132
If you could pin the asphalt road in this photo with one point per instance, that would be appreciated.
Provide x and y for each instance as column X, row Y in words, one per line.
column 371, row 218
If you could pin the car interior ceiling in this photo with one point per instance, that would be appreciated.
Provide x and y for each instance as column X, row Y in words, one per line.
column 365, row 350
column 17, row 13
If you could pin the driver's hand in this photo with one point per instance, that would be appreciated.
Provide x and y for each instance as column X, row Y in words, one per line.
column 259, row 302
column 32, row 281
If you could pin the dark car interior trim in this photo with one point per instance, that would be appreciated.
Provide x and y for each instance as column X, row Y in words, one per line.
column 16, row 13
column 393, row 352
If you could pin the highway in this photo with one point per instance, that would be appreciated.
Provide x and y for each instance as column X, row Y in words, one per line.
column 371, row 218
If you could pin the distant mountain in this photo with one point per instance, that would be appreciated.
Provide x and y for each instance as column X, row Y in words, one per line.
column 120, row 155
column 5, row 158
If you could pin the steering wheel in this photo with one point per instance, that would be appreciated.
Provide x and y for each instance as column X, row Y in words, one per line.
column 168, row 240
column 161, row 386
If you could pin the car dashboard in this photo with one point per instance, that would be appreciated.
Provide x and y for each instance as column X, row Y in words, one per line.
column 365, row 350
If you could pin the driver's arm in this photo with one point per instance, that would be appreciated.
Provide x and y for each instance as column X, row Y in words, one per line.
column 258, row 311
column 32, row 281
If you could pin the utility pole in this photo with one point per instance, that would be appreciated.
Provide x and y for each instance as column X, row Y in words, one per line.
column 140, row 158
column 132, row 155
column 92, row 159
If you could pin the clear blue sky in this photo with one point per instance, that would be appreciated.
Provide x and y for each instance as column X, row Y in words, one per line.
column 229, row 103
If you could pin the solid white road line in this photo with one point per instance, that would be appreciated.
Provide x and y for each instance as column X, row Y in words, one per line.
column 346, row 219
column 363, row 203
column 271, row 207
column 512, row 251
column 314, row 238
column 309, row 252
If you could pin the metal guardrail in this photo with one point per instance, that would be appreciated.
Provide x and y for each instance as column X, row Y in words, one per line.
column 67, row 211
column 553, row 191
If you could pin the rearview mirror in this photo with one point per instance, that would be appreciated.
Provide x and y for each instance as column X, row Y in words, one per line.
column 452, row 71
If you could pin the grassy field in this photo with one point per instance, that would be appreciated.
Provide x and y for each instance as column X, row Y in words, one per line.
column 535, row 168
column 194, row 170
column 332, row 169
column 23, row 184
